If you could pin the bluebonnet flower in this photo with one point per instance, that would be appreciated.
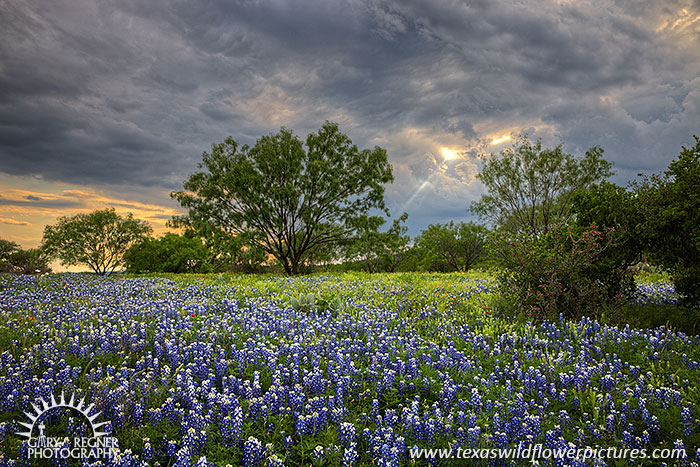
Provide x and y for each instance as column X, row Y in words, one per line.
column 171, row 449
column 183, row 458
column 231, row 430
column 687, row 421
column 274, row 461
column 347, row 433
column 253, row 452
column 473, row 436
column 500, row 439
column 287, row 443
column 610, row 423
column 476, row 400
column 350, row 455
column 147, row 452
column 318, row 455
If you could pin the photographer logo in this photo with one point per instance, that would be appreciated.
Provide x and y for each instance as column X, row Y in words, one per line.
column 97, row 446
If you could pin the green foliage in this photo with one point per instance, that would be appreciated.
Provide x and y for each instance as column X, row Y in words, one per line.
column 305, row 303
column 287, row 198
column 309, row 303
column 170, row 253
column 531, row 188
column 7, row 248
column 671, row 208
column 378, row 251
column 549, row 274
column 618, row 211
column 98, row 239
column 226, row 252
column 452, row 247
column 15, row 260
column 652, row 316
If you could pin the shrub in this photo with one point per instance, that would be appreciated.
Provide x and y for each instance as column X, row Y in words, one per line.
column 619, row 210
column 554, row 273
column 15, row 260
column 671, row 209
column 32, row 261
column 170, row 253
column 686, row 279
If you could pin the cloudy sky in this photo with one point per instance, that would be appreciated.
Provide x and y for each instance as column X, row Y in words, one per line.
column 111, row 103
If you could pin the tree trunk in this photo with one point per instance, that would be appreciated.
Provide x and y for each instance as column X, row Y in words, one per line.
column 285, row 264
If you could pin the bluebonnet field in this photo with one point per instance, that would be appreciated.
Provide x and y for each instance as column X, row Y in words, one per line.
column 223, row 370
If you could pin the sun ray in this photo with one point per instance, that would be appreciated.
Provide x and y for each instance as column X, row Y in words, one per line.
column 415, row 193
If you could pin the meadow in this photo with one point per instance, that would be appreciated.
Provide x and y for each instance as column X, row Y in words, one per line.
column 226, row 369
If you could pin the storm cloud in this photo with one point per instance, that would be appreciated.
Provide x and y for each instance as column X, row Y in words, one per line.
column 129, row 93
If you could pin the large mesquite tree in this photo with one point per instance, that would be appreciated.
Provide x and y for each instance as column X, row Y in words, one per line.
column 531, row 188
column 288, row 198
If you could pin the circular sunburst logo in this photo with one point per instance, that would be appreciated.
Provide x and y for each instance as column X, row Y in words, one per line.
column 46, row 407
column 39, row 446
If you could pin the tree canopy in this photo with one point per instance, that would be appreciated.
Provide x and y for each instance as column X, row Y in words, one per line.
column 618, row 211
column 452, row 247
column 286, row 197
column 530, row 188
column 97, row 239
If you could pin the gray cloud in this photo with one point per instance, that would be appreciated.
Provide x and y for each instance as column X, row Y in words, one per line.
column 35, row 202
column 129, row 94
column 10, row 221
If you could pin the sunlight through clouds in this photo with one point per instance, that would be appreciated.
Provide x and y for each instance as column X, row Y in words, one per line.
column 500, row 139
column 131, row 93
column 449, row 154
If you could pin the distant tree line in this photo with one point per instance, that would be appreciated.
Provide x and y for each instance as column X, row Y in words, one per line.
column 562, row 238
column 440, row 248
column 282, row 205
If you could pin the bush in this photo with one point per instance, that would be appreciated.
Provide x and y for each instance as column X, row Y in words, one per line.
column 170, row 253
column 617, row 209
column 671, row 209
column 686, row 279
column 554, row 273
column 15, row 260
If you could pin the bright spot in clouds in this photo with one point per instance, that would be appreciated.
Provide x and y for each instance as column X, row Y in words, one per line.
column 449, row 154
column 500, row 140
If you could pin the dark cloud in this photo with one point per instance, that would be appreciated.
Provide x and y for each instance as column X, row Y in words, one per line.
column 130, row 93
column 35, row 202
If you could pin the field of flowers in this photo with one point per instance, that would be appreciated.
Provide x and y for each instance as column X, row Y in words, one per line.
column 217, row 370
